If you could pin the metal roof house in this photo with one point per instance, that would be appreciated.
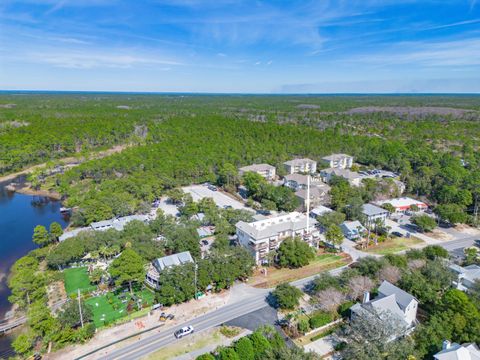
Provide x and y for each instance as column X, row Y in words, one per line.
column 352, row 230
column 374, row 213
column 160, row 264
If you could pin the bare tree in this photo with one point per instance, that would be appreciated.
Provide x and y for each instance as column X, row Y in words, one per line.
column 358, row 285
column 390, row 273
column 416, row 264
column 330, row 299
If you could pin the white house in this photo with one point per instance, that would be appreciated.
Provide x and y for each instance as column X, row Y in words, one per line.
column 265, row 235
column 265, row 170
column 305, row 165
column 319, row 211
column 458, row 352
column 353, row 178
column 338, row 161
column 403, row 204
column 160, row 264
column 466, row 276
column 373, row 214
column 392, row 299
column 352, row 230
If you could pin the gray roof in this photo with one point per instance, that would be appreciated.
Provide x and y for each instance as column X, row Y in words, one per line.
column 320, row 210
column 172, row 260
column 381, row 307
column 470, row 272
column 299, row 161
column 257, row 167
column 372, row 210
column 336, row 157
column 117, row 223
column 403, row 298
column 352, row 225
column 459, row 352
column 315, row 192
column 345, row 173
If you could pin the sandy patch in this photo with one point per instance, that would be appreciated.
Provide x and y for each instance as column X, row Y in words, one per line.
column 466, row 229
column 439, row 235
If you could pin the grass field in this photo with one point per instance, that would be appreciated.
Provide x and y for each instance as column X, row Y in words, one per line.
column 275, row 276
column 77, row 278
column 393, row 245
column 106, row 312
column 207, row 340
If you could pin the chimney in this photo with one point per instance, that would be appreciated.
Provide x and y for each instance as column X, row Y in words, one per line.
column 366, row 297
column 446, row 345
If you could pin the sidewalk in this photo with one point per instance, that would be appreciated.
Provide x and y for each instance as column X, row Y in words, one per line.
column 182, row 312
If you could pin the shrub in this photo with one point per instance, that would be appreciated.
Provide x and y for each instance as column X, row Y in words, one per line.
column 344, row 309
column 434, row 251
column 320, row 319
column 206, row 356
column 229, row 332
column 303, row 325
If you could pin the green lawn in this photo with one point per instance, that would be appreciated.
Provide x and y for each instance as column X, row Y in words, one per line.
column 106, row 312
column 77, row 278
column 393, row 245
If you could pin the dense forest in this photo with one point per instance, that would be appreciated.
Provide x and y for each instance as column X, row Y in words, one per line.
column 180, row 139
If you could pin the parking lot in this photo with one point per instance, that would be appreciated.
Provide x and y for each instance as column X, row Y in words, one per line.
column 221, row 199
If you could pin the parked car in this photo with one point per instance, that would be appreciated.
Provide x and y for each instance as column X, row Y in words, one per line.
column 397, row 234
column 212, row 188
column 187, row 330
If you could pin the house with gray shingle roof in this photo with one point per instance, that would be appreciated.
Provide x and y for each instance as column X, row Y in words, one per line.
column 160, row 264
column 391, row 299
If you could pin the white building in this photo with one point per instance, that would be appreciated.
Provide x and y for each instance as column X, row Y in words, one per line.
column 304, row 166
column 338, row 161
column 115, row 223
column 160, row 264
column 265, row 170
column 392, row 299
column 263, row 236
column 458, row 352
column 403, row 204
column 466, row 276
column 373, row 214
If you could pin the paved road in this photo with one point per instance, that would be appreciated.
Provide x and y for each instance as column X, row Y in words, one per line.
column 249, row 301
column 152, row 343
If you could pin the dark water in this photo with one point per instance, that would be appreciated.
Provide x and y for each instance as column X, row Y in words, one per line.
column 19, row 214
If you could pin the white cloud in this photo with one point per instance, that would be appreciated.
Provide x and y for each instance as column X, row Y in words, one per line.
column 78, row 60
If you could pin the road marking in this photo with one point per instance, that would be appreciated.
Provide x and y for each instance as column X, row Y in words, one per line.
column 255, row 305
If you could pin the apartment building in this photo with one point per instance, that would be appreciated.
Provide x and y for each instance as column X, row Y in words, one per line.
column 338, row 161
column 265, row 170
column 265, row 235
column 301, row 166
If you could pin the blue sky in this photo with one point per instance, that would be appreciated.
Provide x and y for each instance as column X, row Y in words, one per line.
column 278, row 46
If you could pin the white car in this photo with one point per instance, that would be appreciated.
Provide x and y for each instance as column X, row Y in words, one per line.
column 187, row 330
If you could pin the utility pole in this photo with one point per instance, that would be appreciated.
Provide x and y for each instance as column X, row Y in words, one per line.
column 80, row 307
column 195, row 279
column 308, row 204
